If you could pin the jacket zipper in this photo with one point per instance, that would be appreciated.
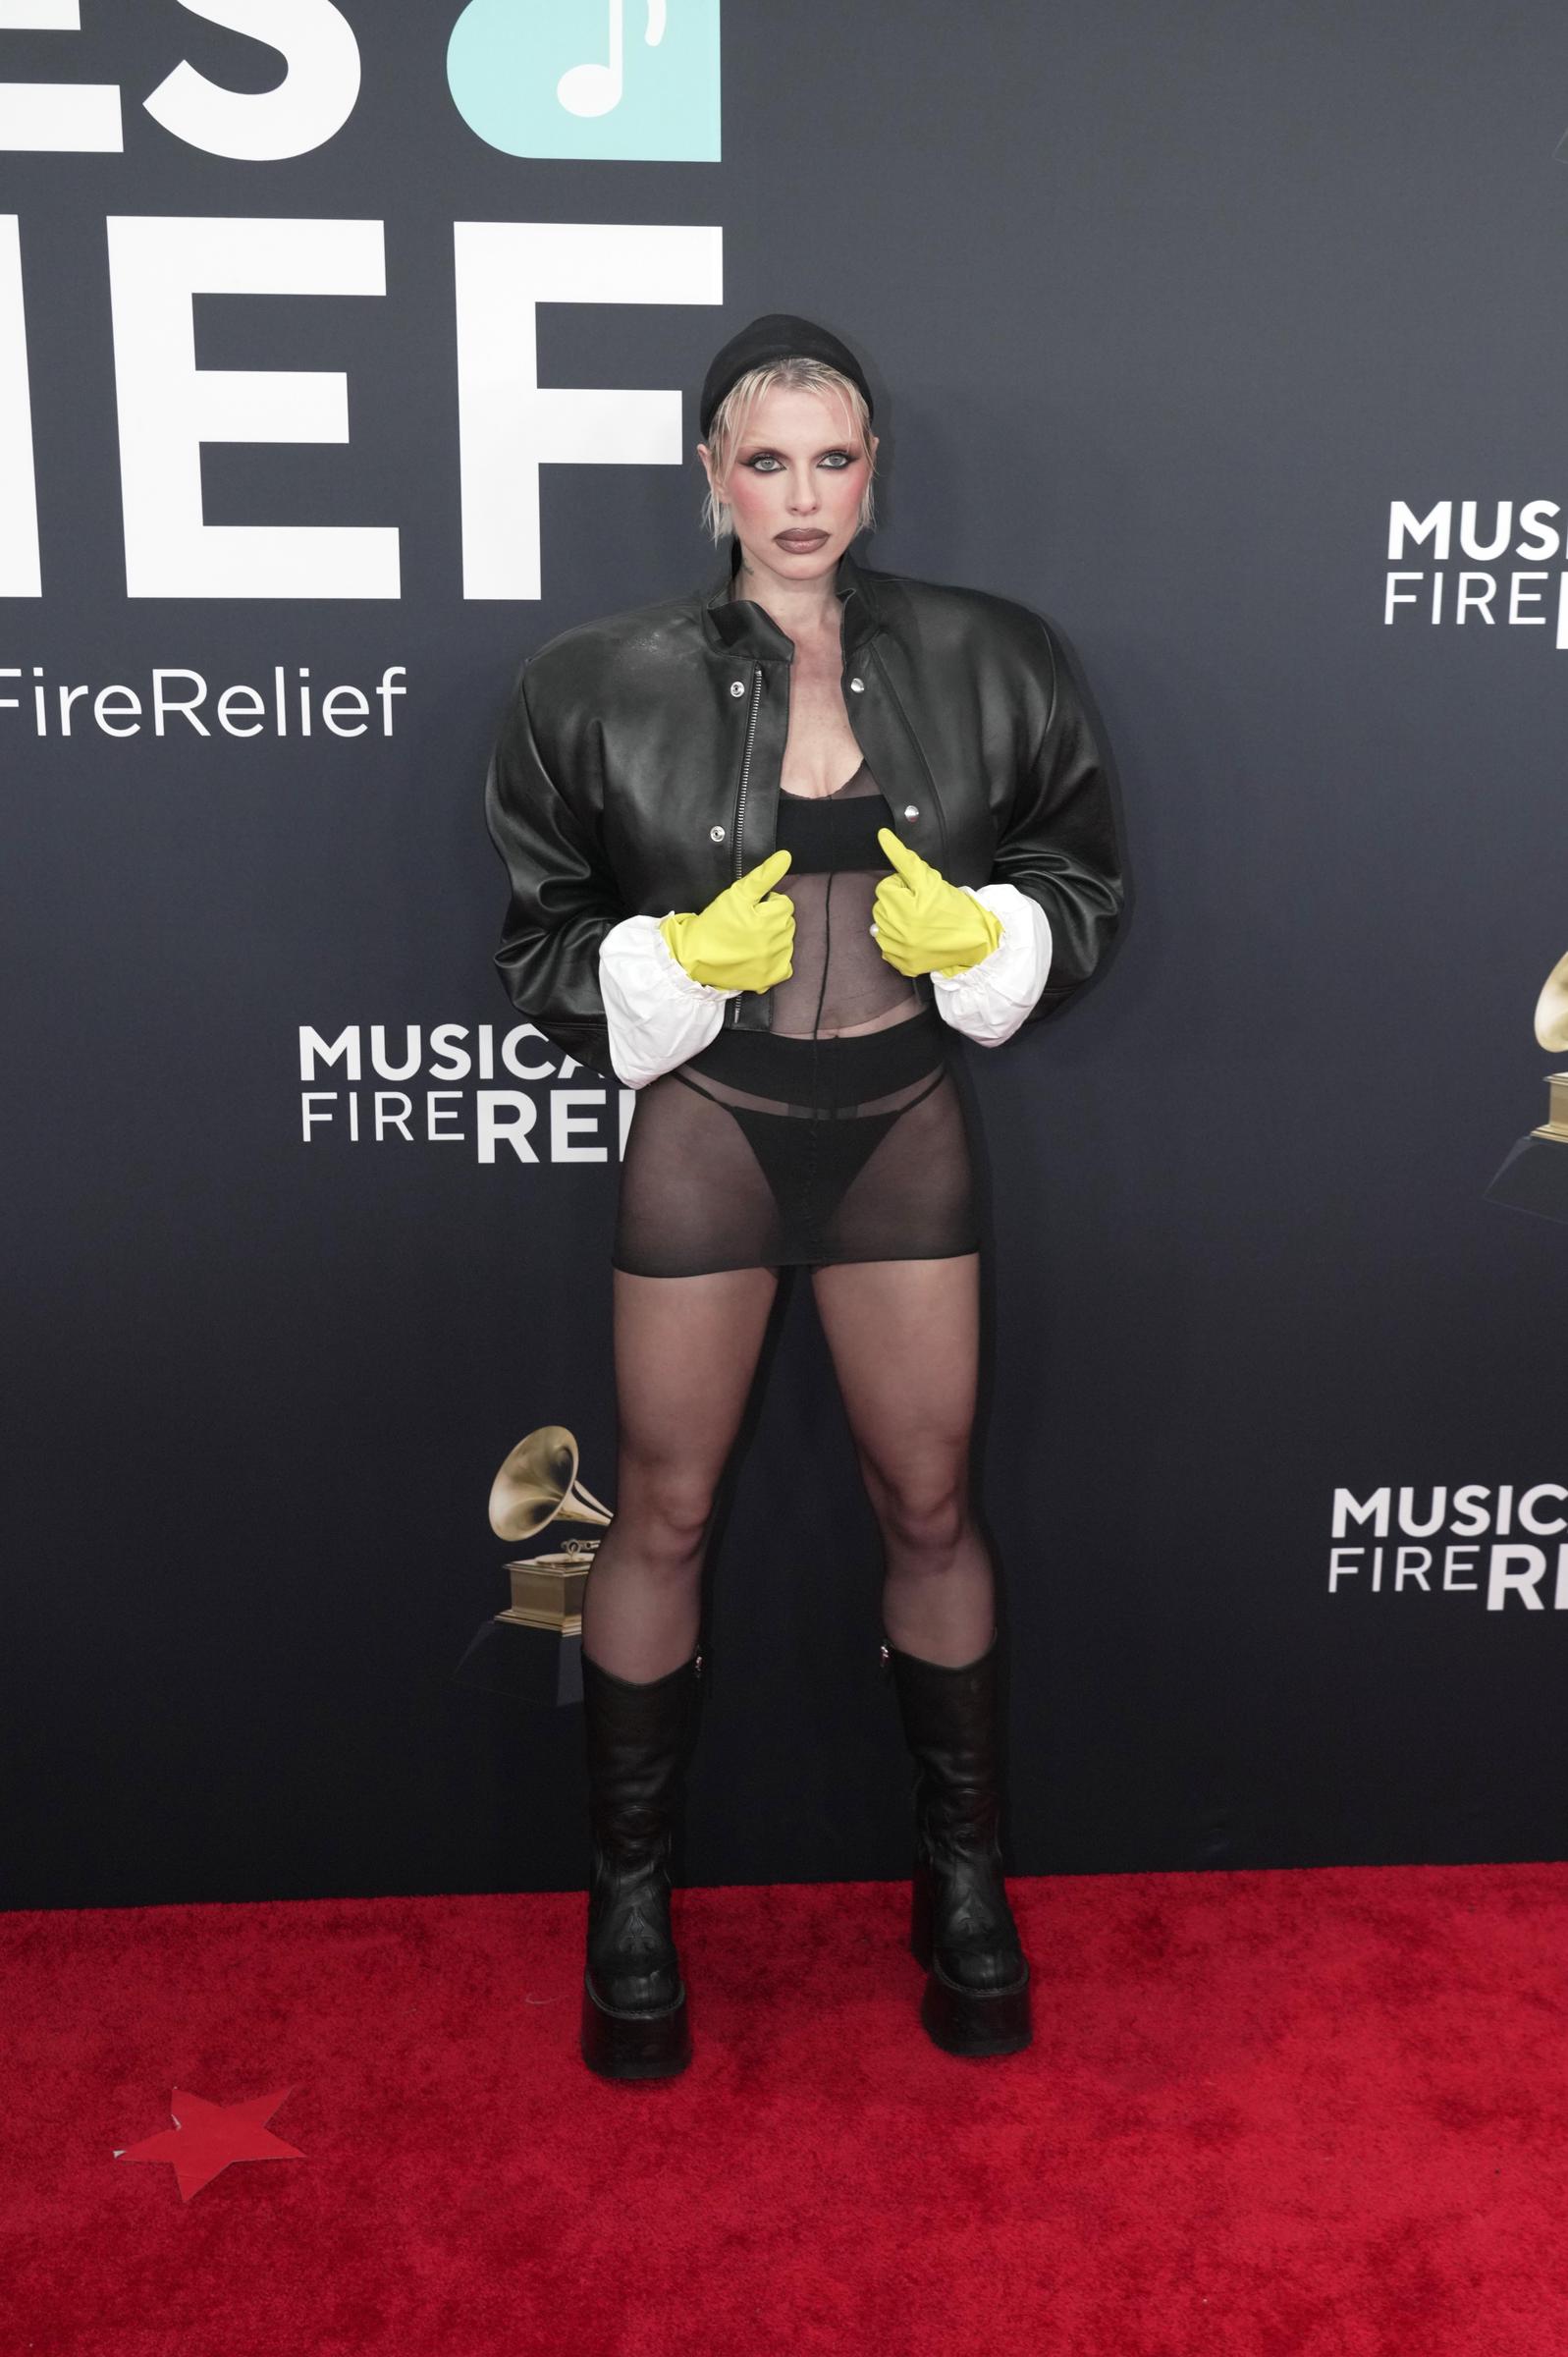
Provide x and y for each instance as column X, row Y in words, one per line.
column 733, row 1010
column 745, row 760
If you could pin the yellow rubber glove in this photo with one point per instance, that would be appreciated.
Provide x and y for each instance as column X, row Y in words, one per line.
column 745, row 937
column 924, row 924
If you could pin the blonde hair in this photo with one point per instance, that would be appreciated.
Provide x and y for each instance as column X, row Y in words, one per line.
column 730, row 424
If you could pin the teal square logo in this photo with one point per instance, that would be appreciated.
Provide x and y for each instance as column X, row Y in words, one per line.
column 629, row 80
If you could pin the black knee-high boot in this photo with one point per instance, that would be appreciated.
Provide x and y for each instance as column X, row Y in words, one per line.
column 639, row 1739
column 976, row 1999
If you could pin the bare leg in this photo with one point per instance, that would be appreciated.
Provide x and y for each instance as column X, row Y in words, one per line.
column 906, row 1341
column 686, row 1351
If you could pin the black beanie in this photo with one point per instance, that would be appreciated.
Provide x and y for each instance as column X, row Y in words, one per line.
column 778, row 336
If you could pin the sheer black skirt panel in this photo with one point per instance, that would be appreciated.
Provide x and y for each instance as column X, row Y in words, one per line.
column 770, row 1151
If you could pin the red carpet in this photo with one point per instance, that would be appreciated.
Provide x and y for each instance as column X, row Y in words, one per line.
column 1280, row 2115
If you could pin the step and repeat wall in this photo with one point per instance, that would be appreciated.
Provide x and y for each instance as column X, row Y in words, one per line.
column 346, row 355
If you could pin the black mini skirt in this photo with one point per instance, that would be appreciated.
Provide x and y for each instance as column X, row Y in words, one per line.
column 768, row 1151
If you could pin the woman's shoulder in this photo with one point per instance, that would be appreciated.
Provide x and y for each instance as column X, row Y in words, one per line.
column 636, row 635
column 952, row 614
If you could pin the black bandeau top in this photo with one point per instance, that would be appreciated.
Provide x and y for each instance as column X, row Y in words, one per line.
column 837, row 830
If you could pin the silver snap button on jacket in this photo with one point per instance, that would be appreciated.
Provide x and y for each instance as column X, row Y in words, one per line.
column 858, row 686
column 737, row 687
column 716, row 833
column 910, row 810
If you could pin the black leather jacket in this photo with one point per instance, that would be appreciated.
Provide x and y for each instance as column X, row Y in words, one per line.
column 636, row 771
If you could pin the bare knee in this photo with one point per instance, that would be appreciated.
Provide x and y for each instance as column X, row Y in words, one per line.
column 923, row 1511
column 665, row 1505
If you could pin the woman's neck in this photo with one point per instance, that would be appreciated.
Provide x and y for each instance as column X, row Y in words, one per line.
column 803, row 610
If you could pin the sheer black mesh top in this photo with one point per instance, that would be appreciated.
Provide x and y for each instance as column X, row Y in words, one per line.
column 836, row 1134
column 840, row 978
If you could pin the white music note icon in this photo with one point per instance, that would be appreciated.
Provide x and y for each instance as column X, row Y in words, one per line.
column 596, row 89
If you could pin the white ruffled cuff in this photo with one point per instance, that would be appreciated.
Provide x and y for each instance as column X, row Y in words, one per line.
column 655, row 1014
column 989, row 1000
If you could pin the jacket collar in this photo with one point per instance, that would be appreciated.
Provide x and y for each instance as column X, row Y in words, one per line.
column 740, row 623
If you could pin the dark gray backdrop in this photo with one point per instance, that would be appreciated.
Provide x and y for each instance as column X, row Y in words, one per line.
column 1163, row 308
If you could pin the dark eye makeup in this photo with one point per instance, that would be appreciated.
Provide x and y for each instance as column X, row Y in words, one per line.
column 844, row 458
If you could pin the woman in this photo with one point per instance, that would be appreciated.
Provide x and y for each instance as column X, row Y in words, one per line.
column 770, row 847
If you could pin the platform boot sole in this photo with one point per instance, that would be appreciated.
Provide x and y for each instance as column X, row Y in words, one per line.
column 633, row 2046
column 965, row 2021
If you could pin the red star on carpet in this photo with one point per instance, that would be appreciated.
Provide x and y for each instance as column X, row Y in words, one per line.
column 206, row 2137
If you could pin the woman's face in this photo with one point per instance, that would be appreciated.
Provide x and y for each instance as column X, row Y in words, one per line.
column 797, row 478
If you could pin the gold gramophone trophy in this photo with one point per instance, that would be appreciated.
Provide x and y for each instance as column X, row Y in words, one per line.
column 534, row 1647
column 538, row 1484
column 1535, row 1176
